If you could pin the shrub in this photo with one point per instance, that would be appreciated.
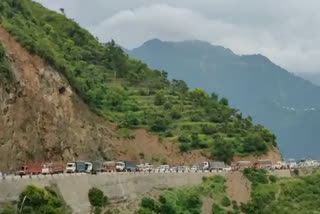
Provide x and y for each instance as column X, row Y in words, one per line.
column 97, row 210
column 225, row 201
column 159, row 125
column 216, row 209
column 273, row 179
column 256, row 175
column 208, row 129
column 8, row 210
column 148, row 203
column 97, row 198
column 184, row 139
column 168, row 134
column 184, row 147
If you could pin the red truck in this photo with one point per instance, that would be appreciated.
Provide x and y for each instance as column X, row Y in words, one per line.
column 32, row 168
column 52, row 168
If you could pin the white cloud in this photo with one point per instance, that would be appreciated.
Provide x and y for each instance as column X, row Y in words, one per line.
column 286, row 31
column 131, row 28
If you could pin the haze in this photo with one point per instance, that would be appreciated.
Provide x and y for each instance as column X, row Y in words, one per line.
column 285, row 31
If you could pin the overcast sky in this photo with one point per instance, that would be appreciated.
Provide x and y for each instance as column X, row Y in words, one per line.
column 286, row 31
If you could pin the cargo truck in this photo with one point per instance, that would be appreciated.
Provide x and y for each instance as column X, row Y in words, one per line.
column 93, row 167
column 109, row 166
column 126, row 166
column 30, row 168
column 52, row 168
column 74, row 167
column 213, row 166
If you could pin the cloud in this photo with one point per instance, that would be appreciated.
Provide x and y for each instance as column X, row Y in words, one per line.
column 131, row 28
column 286, row 31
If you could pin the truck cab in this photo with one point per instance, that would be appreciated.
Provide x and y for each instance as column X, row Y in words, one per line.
column 71, row 167
column 205, row 165
column 120, row 166
column 45, row 169
column 89, row 167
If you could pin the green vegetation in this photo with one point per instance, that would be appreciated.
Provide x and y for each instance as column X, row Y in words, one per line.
column 5, row 73
column 36, row 200
column 187, row 200
column 126, row 91
column 97, row 199
column 297, row 195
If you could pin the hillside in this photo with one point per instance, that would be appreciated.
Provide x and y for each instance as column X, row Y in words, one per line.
column 312, row 77
column 285, row 103
column 51, row 119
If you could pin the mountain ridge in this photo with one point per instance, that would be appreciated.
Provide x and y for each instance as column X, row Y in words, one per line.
column 252, row 83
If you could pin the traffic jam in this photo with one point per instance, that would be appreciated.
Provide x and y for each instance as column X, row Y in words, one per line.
column 94, row 167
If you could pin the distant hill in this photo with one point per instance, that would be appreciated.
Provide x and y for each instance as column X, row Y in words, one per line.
column 286, row 103
column 312, row 77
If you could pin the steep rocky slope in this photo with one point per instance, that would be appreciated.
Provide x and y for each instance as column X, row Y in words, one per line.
column 41, row 117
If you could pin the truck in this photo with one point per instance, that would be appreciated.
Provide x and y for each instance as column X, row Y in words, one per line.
column 74, row 167
column 30, row 168
column 266, row 163
column 126, row 166
column 52, row 168
column 93, row 167
column 108, row 166
column 213, row 166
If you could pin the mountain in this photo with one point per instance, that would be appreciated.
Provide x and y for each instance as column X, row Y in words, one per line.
column 312, row 77
column 64, row 95
column 288, row 104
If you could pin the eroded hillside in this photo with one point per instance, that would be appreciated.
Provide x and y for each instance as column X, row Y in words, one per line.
column 42, row 118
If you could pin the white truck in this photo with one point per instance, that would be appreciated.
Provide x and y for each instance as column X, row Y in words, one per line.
column 126, row 166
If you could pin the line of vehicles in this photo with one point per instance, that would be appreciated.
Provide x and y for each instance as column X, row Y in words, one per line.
column 94, row 167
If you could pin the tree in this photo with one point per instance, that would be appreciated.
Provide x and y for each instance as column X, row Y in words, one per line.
column 179, row 86
column 97, row 197
column 195, row 141
column 160, row 98
column 224, row 101
column 254, row 143
column 214, row 96
column 62, row 11
column 225, row 201
column 198, row 96
column 222, row 151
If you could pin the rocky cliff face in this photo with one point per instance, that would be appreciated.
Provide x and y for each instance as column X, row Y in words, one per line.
column 42, row 118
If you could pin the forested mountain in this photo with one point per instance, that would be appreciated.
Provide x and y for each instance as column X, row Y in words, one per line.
column 312, row 77
column 288, row 104
column 126, row 91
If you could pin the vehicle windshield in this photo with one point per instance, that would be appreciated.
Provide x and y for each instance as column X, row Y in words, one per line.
column 70, row 164
column 120, row 164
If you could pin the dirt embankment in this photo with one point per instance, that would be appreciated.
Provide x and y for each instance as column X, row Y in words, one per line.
column 42, row 118
column 238, row 187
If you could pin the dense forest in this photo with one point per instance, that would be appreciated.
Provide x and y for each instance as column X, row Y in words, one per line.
column 128, row 92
